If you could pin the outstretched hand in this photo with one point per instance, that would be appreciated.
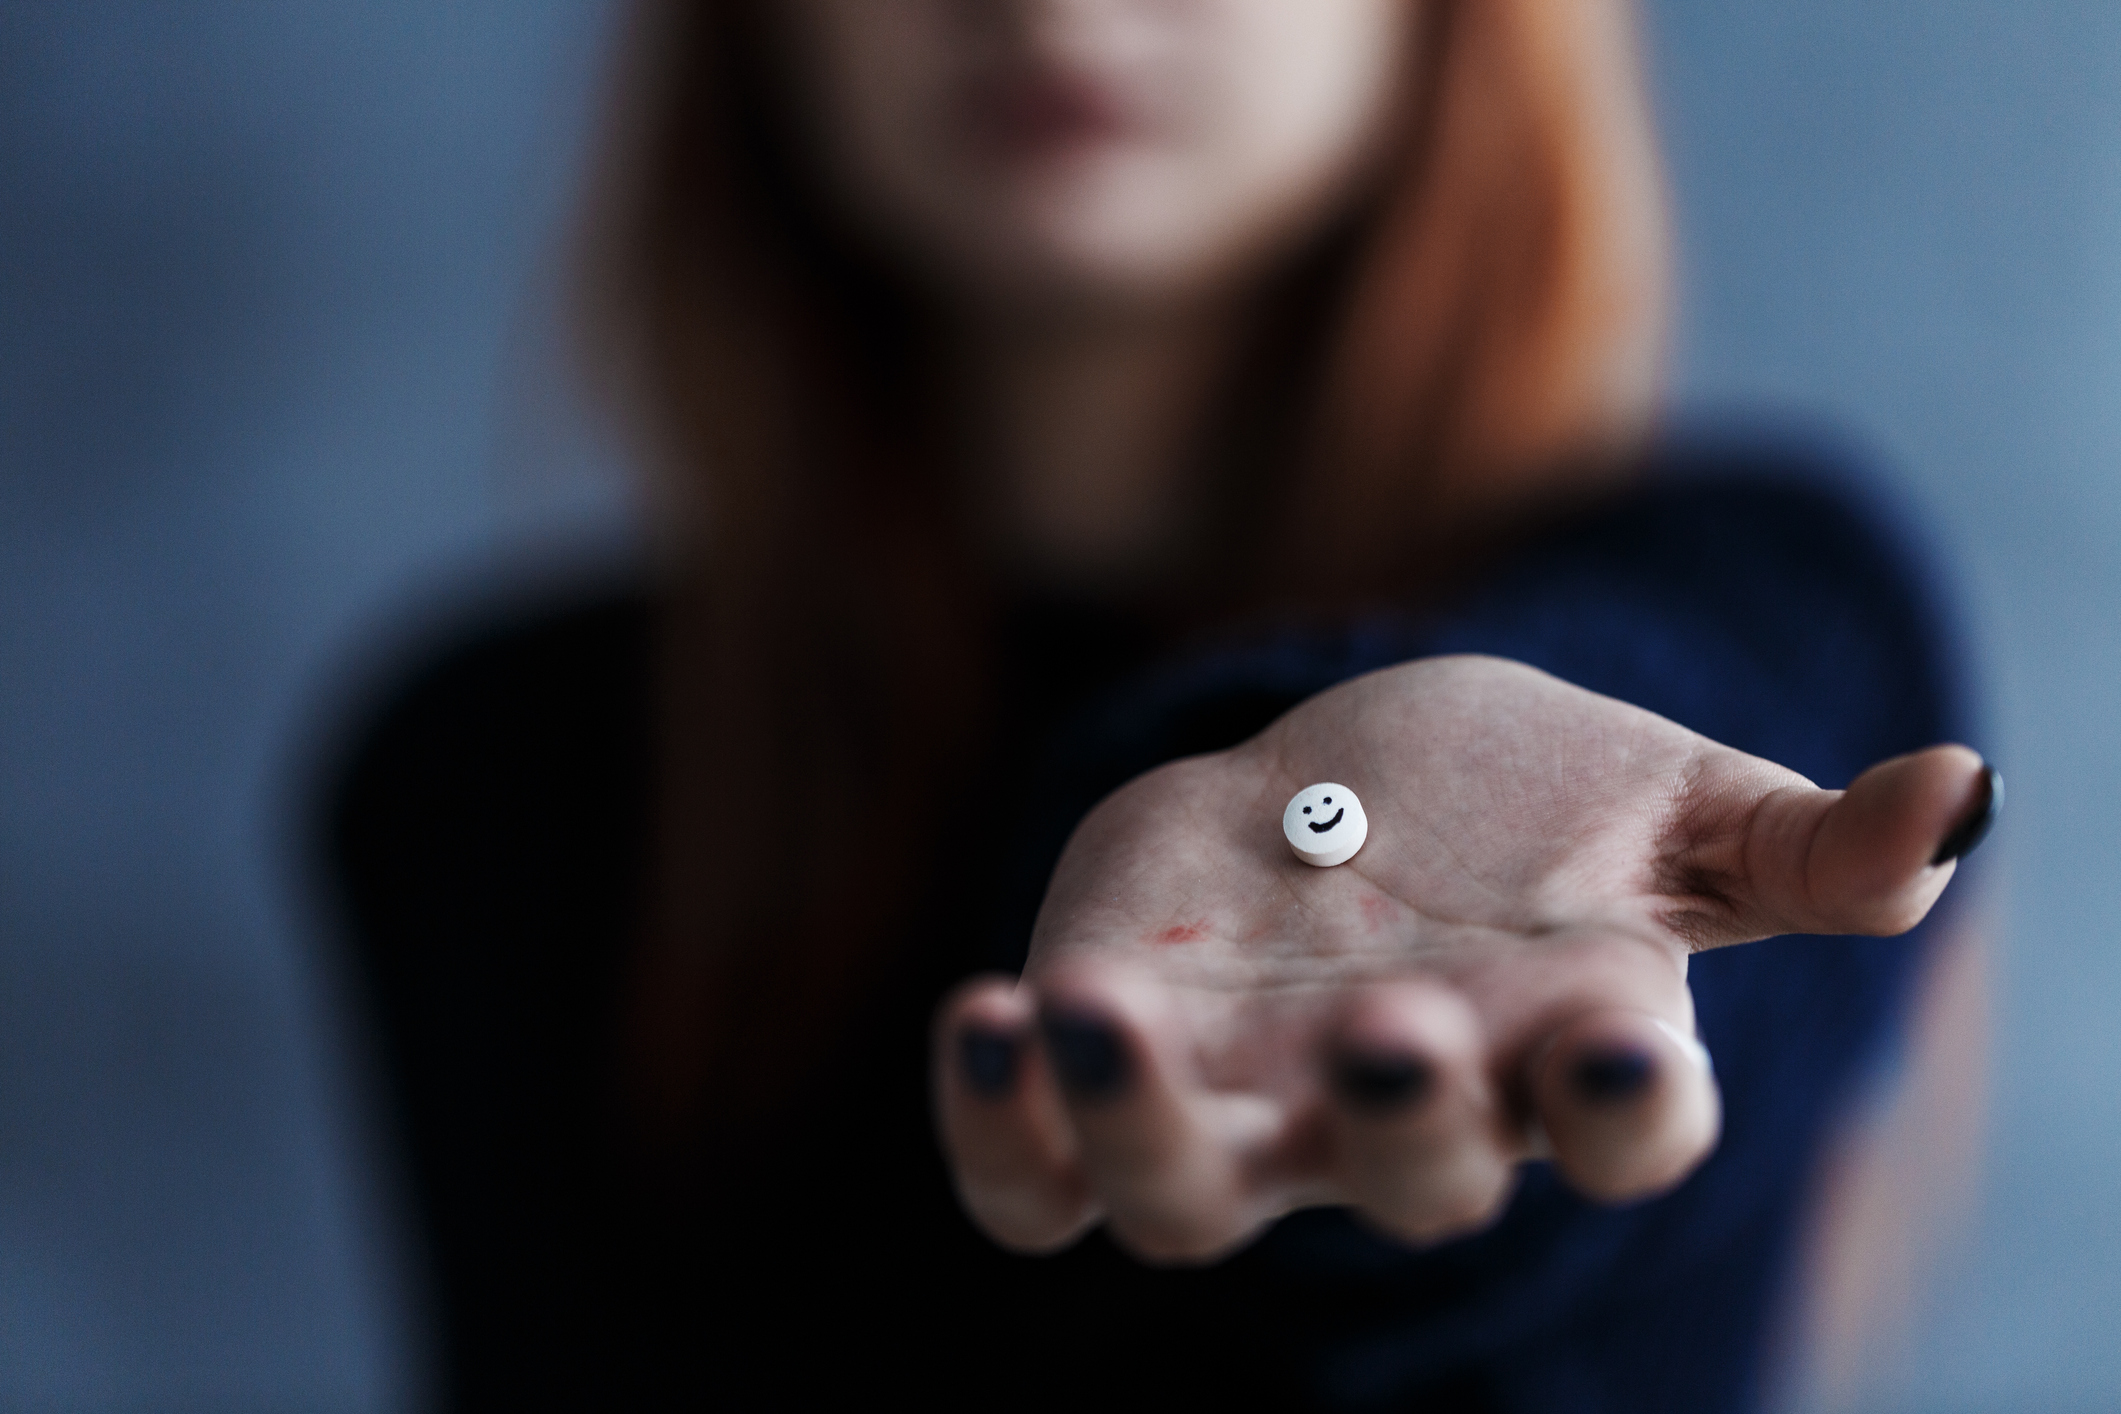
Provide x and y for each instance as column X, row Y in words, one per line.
column 1211, row 1033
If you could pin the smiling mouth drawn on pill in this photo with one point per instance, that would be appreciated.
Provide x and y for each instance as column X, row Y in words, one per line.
column 1318, row 829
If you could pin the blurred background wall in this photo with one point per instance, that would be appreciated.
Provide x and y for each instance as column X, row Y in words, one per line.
column 279, row 375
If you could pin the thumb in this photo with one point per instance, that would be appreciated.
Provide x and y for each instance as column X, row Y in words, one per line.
column 1870, row 859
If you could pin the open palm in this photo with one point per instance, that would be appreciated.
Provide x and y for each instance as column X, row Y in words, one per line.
column 1211, row 1032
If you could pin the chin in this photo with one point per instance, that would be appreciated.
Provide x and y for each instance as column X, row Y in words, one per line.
column 1098, row 233
column 1088, row 269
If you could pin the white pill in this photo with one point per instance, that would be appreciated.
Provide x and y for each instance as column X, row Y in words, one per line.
column 1325, row 825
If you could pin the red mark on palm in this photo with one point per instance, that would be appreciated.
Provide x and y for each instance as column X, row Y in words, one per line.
column 1184, row 932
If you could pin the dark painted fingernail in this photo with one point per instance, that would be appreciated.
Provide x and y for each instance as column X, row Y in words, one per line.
column 988, row 1060
column 1968, row 833
column 1608, row 1077
column 1087, row 1053
column 1371, row 1080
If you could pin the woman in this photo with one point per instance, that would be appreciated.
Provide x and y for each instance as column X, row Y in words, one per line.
column 1065, row 401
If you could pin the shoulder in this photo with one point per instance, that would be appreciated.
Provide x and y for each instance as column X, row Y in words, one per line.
column 506, row 761
column 1771, row 597
column 1745, row 518
column 1776, row 598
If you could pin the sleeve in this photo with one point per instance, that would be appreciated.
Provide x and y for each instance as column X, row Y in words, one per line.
column 1767, row 606
column 481, row 842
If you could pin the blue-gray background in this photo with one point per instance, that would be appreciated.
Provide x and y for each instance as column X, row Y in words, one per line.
column 278, row 370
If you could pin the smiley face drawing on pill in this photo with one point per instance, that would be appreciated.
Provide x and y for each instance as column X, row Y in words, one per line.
column 1325, row 824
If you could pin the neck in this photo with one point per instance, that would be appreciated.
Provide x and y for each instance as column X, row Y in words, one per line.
column 1083, row 433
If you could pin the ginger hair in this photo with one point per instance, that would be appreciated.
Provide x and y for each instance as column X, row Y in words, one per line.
column 1480, row 342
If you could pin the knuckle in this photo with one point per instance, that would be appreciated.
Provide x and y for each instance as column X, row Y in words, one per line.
column 1679, row 1164
column 983, row 1151
column 1899, row 916
column 1025, row 1221
column 1475, row 1208
column 1175, row 1240
column 1457, row 1210
column 1868, row 913
column 1641, row 1172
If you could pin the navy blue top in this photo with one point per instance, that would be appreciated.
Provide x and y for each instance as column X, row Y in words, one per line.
column 487, row 839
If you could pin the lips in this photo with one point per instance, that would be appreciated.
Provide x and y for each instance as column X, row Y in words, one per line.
column 1318, row 829
column 1034, row 111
